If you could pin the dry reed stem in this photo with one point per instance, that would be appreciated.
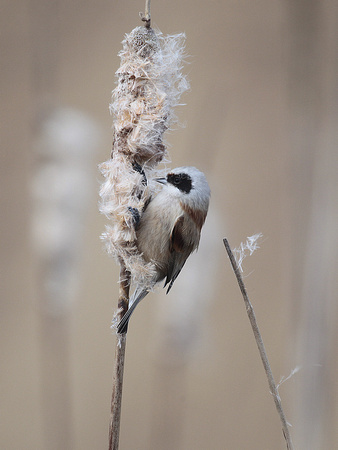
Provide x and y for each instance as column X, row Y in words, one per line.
column 260, row 345
column 146, row 17
column 116, row 400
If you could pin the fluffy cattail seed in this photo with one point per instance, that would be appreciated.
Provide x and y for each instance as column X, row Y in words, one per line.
column 150, row 83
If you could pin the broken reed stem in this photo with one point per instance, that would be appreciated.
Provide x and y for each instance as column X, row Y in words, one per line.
column 147, row 10
column 146, row 17
column 116, row 400
column 260, row 345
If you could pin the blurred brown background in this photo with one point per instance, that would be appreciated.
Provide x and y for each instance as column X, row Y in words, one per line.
column 261, row 122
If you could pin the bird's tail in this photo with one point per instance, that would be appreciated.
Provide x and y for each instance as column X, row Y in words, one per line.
column 122, row 326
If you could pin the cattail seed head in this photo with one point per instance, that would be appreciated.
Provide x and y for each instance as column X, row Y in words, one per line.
column 150, row 83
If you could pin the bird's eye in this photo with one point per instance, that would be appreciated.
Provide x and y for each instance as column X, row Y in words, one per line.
column 177, row 179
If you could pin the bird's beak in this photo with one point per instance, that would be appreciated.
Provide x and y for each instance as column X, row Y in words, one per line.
column 161, row 180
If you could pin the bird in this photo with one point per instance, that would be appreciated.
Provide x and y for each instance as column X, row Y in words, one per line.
column 169, row 229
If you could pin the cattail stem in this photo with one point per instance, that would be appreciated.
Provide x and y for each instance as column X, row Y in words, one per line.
column 124, row 283
column 116, row 400
column 150, row 82
column 260, row 345
column 146, row 18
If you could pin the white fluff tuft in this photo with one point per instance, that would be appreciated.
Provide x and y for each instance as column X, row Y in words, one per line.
column 292, row 373
column 249, row 246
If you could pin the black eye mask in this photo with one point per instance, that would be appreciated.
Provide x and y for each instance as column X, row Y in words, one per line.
column 180, row 180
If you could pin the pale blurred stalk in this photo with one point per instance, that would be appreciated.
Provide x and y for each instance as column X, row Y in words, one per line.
column 313, row 63
column 61, row 189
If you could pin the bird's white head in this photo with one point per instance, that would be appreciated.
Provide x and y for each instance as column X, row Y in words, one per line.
column 189, row 186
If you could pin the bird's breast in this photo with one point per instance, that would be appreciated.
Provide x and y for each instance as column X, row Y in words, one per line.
column 156, row 227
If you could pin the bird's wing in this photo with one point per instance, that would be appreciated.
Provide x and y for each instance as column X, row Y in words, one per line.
column 176, row 240
column 177, row 244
